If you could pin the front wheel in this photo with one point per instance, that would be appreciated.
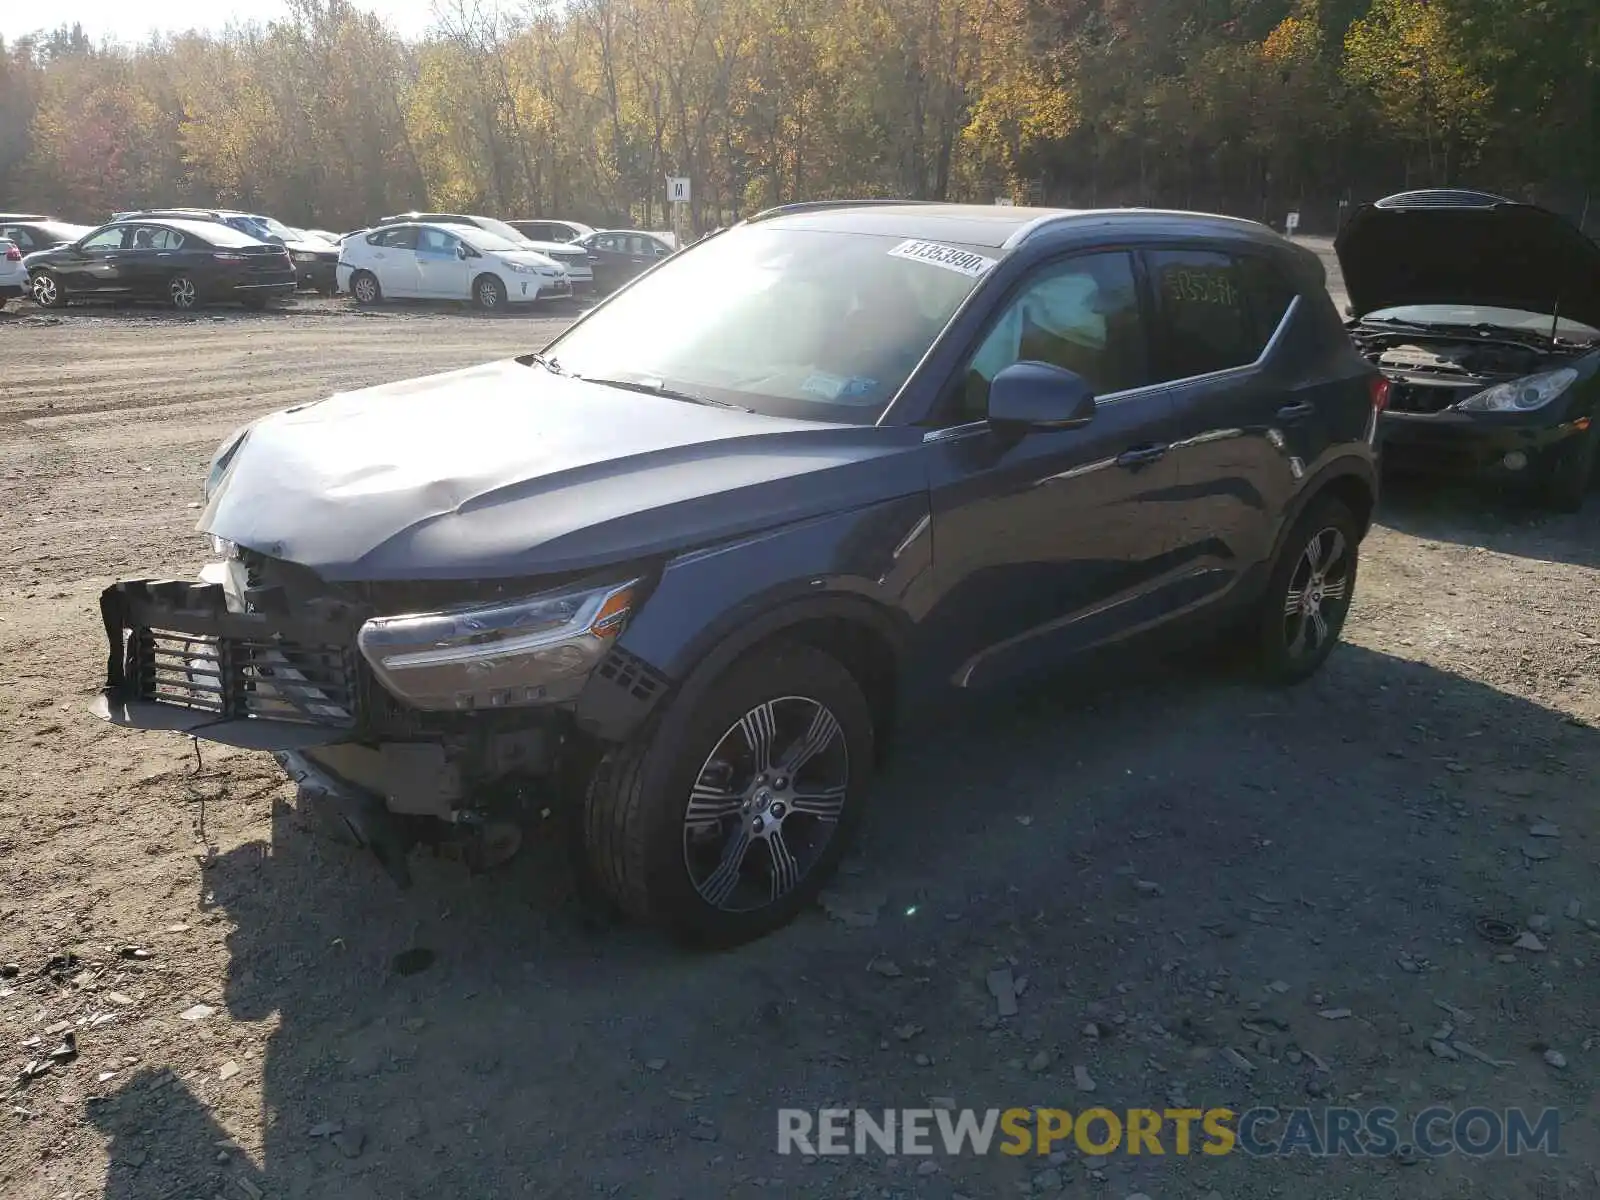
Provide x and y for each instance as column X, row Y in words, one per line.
column 722, row 822
column 1309, row 593
column 46, row 290
column 183, row 293
column 488, row 293
column 364, row 287
column 1573, row 473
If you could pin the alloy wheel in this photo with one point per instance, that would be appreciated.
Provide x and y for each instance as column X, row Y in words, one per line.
column 1319, row 593
column 45, row 292
column 182, row 292
column 366, row 289
column 766, row 804
column 488, row 294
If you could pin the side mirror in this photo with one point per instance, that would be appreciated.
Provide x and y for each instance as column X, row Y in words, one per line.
column 1029, row 396
column 461, row 252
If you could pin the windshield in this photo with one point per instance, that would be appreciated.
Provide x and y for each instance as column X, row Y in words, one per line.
column 1469, row 314
column 796, row 323
column 482, row 239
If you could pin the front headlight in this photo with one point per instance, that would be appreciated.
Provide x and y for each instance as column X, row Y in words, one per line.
column 1520, row 395
column 534, row 651
column 302, row 256
column 525, row 269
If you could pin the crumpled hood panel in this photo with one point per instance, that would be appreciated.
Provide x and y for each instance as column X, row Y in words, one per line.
column 505, row 469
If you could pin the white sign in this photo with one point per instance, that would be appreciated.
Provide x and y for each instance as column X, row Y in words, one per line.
column 1005, row 201
column 1292, row 223
column 677, row 189
column 948, row 257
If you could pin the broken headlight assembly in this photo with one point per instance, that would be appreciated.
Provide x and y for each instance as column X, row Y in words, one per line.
column 1520, row 395
column 538, row 650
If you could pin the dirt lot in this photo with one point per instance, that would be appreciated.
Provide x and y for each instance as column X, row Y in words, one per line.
column 1165, row 856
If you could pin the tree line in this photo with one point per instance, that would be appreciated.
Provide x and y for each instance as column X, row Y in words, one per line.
column 582, row 108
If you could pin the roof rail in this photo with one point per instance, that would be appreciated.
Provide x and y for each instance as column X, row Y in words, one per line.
column 804, row 206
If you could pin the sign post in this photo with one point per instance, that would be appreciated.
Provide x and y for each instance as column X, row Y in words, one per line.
column 678, row 195
column 1291, row 223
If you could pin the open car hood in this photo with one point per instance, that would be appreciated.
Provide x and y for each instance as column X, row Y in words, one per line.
column 1453, row 247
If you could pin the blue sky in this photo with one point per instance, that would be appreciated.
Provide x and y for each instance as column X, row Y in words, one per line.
column 123, row 21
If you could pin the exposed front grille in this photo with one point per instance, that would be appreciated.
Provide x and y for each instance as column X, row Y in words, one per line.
column 244, row 677
column 1423, row 398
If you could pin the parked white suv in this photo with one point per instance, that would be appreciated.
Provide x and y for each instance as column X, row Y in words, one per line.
column 13, row 275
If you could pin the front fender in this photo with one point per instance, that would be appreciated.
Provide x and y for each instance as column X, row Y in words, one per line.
column 712, row 604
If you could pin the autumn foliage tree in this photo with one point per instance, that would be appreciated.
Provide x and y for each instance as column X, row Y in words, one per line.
column 581, row 108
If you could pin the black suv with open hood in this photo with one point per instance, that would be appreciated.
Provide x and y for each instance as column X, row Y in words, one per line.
column 1484, row 314
column 680, row 575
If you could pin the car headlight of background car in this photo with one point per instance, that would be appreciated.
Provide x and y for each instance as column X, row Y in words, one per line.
column 1520, row 395
column 538, row 650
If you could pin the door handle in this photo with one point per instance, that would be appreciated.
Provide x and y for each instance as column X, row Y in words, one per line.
column 1140, row 455
column 1296, row 412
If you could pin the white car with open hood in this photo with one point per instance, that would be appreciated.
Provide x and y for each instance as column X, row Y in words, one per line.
column 423, row 260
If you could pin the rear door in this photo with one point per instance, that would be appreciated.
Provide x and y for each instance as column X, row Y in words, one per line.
column 441, row 271
column 154, row 256
column 611, row 260
column 1242, row 430
column 392, row 257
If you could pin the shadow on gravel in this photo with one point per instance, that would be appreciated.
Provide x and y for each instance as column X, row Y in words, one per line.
column 1497, row 520
column 1297, row 835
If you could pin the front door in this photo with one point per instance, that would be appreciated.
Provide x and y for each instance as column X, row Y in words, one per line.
column 1051, row 543
column 95, row 266
column 441, row 270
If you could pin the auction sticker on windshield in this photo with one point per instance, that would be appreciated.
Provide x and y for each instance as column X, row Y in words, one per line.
column 948, row 257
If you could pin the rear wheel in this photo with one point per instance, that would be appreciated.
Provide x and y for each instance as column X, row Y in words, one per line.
column 488, row 293
column 1308, row 596
column 46, row 290
column 723, row 822
column 183, row 293
column 364, row 287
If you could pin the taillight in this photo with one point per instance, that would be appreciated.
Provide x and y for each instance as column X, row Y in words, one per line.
column 12, row 253
column 1378, row 388
column 225, row 256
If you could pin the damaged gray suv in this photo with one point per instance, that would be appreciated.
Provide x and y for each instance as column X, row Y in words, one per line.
column 681, row 574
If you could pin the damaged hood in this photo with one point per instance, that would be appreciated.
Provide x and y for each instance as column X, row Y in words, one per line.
column 508, row 470
column 1468, row 248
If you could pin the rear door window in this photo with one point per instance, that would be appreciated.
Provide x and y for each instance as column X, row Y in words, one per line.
column 1205, row 322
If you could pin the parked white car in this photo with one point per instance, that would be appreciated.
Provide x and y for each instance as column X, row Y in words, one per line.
column 424, row 260
column 13, row 275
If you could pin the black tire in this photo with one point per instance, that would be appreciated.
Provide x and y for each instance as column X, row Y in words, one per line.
column 46, row 290
column 658, row 867
column 1294, row 632
column 1572, row 474
column 183, row 293
column 365, row 288
column 488, row 293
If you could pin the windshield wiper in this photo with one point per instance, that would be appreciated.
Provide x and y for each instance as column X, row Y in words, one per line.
column 658, row 388
column 549, row 364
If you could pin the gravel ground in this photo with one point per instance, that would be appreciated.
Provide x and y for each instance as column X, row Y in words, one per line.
column 1218, row 895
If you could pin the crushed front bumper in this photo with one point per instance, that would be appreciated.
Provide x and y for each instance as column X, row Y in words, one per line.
column 177, row 659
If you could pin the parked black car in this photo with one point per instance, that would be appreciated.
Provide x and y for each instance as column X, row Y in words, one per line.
column 185, row 263
column 621, row 254
column 686, row 569
column 1485, row 315
column 39, row 233
column 316, row 261
column 544, row 230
